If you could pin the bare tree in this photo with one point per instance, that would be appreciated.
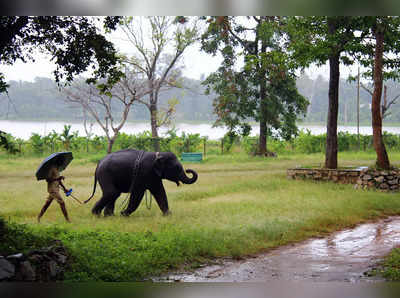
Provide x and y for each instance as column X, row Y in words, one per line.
column 386, row 103
column 157, row 53
column 101, row 105
column 88, row 130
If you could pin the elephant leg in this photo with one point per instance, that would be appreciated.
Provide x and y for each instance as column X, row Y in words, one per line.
column 134, row 202
column 109, row 209
column 108, row 197
column 161, row 197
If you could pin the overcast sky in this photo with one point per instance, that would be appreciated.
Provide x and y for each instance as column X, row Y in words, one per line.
column 196, row 63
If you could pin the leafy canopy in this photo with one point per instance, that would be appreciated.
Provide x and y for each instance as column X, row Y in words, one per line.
column 73, row 43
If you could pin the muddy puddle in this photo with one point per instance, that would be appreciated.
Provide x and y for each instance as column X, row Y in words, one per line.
column 344, row 256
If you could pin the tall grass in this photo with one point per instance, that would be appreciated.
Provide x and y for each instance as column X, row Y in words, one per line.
column 239, row 206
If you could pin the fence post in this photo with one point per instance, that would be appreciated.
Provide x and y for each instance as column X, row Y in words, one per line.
column 222, row 146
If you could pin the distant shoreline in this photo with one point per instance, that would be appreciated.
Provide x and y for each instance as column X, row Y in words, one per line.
column 193, row 122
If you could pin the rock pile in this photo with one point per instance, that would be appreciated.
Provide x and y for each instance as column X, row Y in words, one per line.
column 381, row 180
column 47, row 264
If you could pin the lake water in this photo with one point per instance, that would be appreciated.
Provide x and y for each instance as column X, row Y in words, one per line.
column 24, row 129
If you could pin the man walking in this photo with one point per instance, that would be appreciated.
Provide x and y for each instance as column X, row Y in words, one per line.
column 53, row 188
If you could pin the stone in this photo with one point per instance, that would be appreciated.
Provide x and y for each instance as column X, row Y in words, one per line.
column 380, row 179
column 393, row 181
column 359, row 181
column 16, row 256
column 54, row 269
column 36, row 258
column 389, row 177
column 367, row 177
column 384, row 186
column 394, row 187
column 61, row 259
column 27, row 272
column 7, row 270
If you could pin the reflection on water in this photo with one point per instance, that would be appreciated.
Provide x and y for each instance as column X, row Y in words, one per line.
column 24, row 129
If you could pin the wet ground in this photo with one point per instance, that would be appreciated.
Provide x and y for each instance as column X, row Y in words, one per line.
column 342, row 257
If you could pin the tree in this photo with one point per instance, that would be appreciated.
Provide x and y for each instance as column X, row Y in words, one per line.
column 321, row 39
column 109, row 108
column 382, row 156
column 66, row 136
column 73, row 43
column 159, row 70
column 264, row 89
column 380, row 53
column 386, row 103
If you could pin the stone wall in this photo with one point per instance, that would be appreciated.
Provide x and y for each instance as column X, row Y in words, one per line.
column 46, row 264
column 381, row 180
column 340, row 176
column 362, row 178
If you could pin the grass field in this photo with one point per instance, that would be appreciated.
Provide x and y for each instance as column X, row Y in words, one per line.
column 240, row 205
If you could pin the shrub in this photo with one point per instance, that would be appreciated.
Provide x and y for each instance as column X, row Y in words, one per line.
column 37, row 143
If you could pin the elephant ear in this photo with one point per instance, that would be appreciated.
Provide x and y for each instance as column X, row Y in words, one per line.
column 158, row 166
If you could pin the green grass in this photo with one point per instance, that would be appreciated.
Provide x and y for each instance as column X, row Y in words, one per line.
column 391, row 266
column 240, row 205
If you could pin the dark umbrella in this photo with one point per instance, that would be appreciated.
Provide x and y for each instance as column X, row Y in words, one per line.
column 59, row 159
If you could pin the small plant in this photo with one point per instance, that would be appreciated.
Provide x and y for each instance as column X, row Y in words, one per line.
column 67, row 137
column 37, row 143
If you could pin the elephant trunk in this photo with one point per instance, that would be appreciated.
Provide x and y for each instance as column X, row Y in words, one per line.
column 185, row 179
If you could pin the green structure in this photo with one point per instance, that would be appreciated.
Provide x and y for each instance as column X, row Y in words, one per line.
column 192, row 157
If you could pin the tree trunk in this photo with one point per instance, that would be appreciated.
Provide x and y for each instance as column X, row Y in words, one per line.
column 382, row 159
column 110, row 144
column 333, row 107
column 263, row 138
column 263, row 106
column 154, row 130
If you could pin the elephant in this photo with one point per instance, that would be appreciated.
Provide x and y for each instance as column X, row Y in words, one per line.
column 116, row 172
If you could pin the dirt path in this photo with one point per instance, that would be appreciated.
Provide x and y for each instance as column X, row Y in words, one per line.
column 343, row 256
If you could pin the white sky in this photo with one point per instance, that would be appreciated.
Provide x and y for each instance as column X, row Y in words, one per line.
column 196, row 63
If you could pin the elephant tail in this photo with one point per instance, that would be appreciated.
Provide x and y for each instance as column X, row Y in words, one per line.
column 94, row 186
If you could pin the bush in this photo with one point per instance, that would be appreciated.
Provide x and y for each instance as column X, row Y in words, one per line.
column 37, row 143
column 17, row 238
column 250, row 145
column 308, row 143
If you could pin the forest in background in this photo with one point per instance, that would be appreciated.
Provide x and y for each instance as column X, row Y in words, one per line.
column 42, row 100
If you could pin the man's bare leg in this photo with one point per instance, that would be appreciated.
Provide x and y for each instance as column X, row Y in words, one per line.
column 44, row 208
column 64, row 211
